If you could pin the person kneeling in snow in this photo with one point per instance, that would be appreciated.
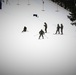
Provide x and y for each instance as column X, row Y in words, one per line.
column 41, row 32
column 25, row 29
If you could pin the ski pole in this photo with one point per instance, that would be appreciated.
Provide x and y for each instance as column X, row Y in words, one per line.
column 46, row 36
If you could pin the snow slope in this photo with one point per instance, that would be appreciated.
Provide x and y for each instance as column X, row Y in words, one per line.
column 23, row 53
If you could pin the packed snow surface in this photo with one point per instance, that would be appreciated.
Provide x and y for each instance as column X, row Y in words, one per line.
column 23, row 53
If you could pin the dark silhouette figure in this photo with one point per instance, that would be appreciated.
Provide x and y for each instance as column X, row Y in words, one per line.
column 45, row 25
column 25, row 29
column 58, row 29
column 61, row 29
column 35, row 15
column 41, row 32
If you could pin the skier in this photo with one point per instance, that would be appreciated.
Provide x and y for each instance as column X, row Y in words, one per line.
column 45, row 25
column 41, row 32
column 25, row 29
column 58, row 29
column 61, row 29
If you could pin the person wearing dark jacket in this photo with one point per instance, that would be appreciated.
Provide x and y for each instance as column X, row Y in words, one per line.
column 45, row 25
column 61, row 29
column 41, row 33
column 58, row 29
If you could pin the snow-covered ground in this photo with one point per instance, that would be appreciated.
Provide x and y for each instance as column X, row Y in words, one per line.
column 23, row 53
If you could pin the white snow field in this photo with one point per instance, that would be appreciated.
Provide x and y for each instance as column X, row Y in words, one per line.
column 23, row 53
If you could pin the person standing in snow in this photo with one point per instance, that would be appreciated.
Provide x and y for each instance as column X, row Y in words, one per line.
column 58, row 29
column 61, row 29
column 41, row 33
column 45, row 25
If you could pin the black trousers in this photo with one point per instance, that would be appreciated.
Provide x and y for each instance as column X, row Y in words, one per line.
column 41, row 35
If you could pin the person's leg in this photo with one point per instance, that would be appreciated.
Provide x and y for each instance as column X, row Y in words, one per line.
column 42, row 36
column 39, row 36
column 56, row 32
column 46, row 30
column 62, row 31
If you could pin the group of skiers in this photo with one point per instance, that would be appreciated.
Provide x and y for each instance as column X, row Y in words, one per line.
column 59, row 30
column 41, row 32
